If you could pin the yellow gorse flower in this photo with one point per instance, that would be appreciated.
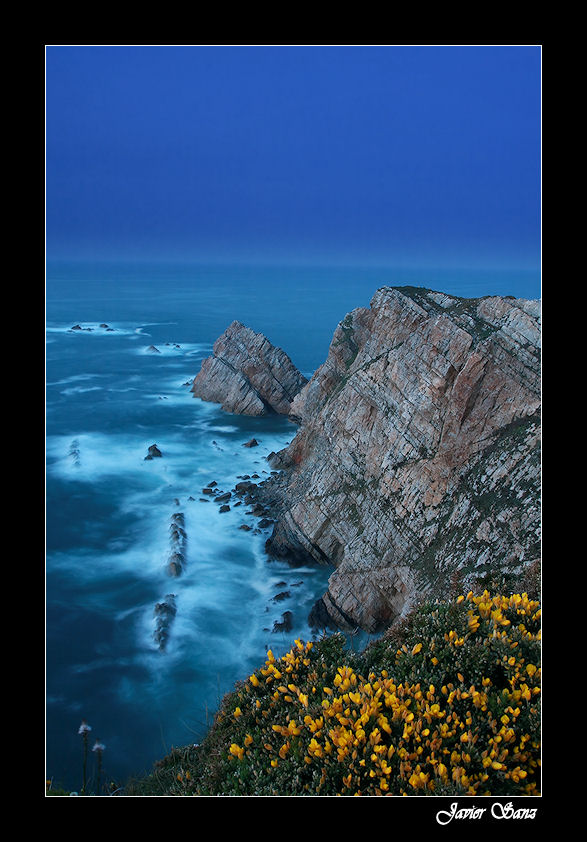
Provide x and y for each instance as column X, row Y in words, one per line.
column 407, row 737
column 237, row 751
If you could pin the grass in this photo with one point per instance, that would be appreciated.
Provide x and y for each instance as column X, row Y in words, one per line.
column 446, row 703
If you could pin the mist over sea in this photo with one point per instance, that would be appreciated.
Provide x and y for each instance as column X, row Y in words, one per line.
column 108, row 510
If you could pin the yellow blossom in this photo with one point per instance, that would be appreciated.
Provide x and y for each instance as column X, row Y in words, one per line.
column 237, row 751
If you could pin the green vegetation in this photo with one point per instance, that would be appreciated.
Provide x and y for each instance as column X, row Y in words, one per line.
column 447, row 703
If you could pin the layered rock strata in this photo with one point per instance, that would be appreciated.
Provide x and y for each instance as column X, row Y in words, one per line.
column 418, row 453
column 248, row 375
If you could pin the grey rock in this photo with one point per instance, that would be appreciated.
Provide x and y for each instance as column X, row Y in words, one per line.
column 417, row 458
column 248, row 375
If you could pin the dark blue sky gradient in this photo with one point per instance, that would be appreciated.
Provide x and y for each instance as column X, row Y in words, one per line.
column 402, row 155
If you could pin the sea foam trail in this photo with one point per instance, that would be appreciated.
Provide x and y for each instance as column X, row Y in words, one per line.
column 113, row 575
column 222, row 561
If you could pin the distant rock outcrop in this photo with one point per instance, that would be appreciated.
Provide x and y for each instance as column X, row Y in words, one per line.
column 417, row 460
column 248, row 375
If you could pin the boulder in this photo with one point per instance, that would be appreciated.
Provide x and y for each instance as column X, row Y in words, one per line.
column 153, row 452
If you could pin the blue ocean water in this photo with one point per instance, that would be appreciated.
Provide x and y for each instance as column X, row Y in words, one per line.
column 108, row 510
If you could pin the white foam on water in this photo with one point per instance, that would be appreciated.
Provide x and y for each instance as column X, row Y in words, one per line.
column 74, row 378
column 174, row 349
column 93, row 329
column 225, row 611
column 97, row 455
column 78, row 390
column 102, row 571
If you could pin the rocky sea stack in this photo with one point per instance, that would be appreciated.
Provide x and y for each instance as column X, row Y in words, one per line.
column 417, row 459
column 248, row 375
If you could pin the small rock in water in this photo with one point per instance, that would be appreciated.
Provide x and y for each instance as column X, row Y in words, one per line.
column 164, row 613
column 285, row 624
column 153, row 452
column 175, row 565
column 251, row 443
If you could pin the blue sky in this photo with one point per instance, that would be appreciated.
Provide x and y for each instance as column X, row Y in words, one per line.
column 371, row 155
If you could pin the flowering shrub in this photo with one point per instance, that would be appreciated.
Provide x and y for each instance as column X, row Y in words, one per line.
column 449, row 705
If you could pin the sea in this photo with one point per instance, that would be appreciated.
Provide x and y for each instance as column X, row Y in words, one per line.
column 124, row 341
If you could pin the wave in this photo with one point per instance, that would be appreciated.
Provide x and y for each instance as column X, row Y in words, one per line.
column 174, row 349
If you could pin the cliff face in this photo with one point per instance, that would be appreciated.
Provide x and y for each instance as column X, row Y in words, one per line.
column 418, row 452
column 248, row 375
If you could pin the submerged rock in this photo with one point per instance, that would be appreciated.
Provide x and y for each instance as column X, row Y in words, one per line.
column 164, row 613
column 74, row 452
column 175, row 564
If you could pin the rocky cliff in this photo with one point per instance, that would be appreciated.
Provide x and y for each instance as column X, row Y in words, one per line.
column 418, row 453
column 248, row 375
